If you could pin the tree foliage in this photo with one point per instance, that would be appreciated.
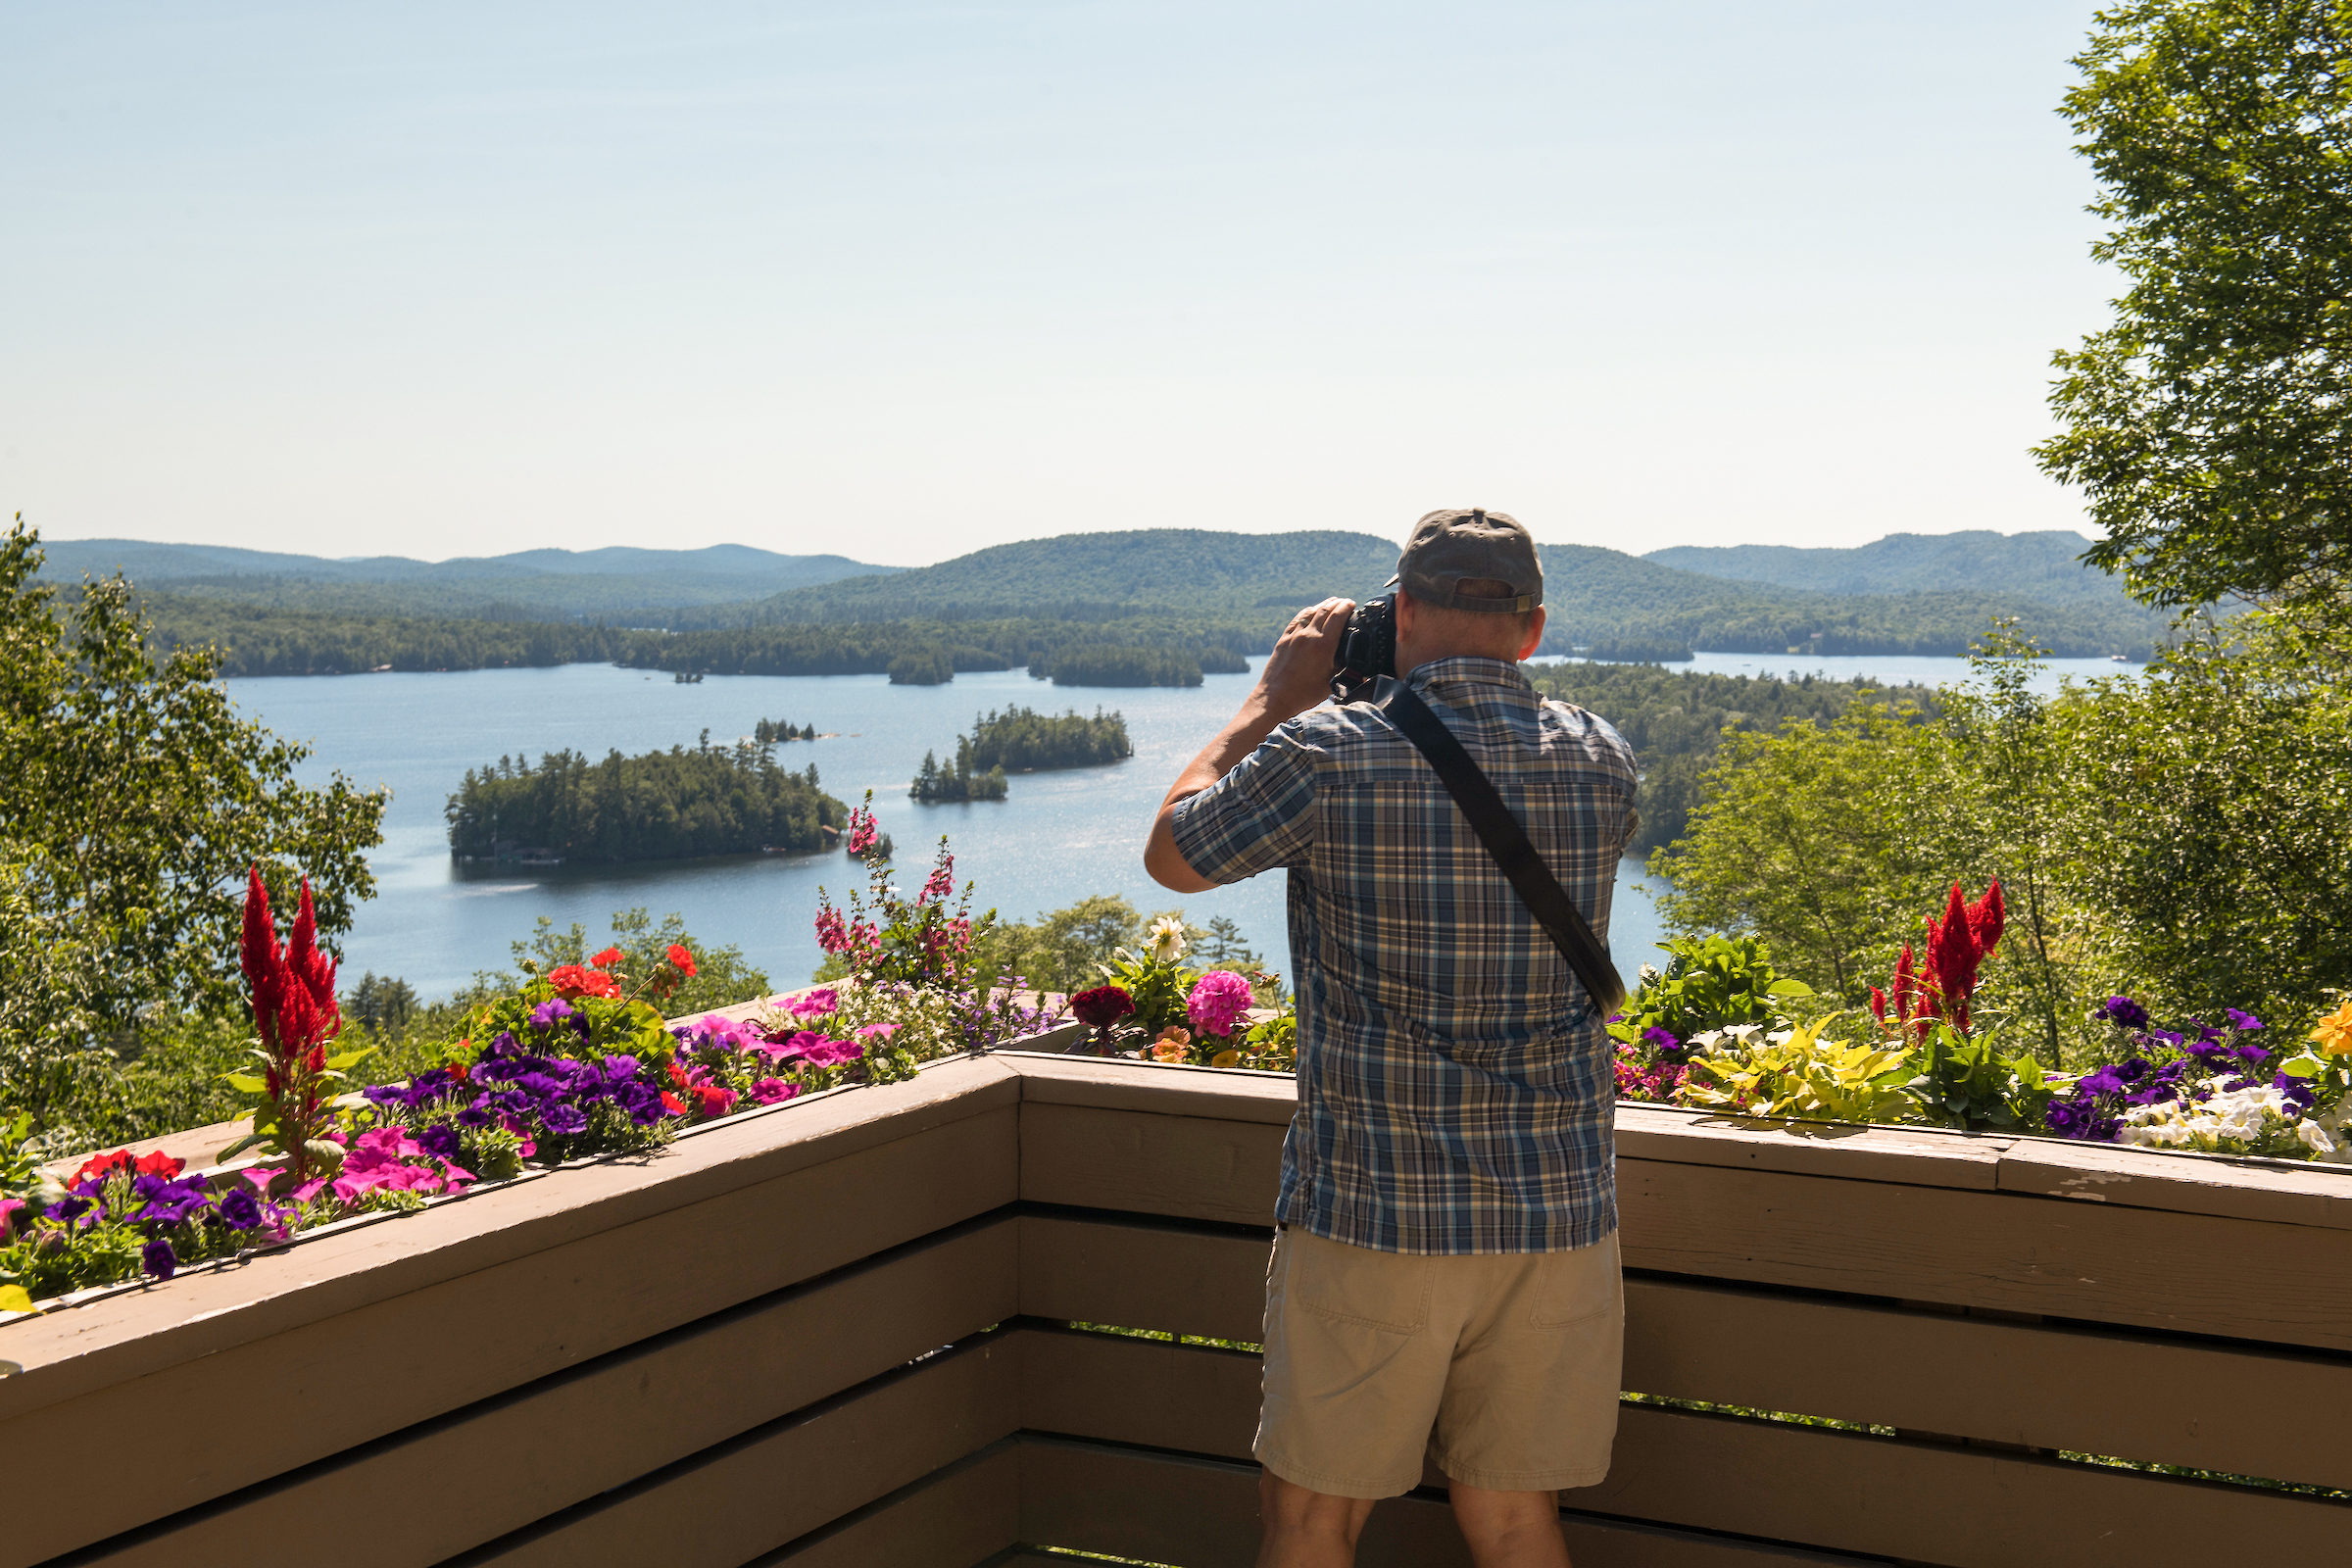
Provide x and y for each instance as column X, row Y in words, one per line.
column 662, row 806
column 1024, row 740
column 960, row 780
column 2211, row 425
column 1674, row 721
column 136, row 800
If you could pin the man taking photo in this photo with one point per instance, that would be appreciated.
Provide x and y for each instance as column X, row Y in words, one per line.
column 1444, row 1279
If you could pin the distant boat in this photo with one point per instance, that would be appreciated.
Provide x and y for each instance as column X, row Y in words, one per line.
column 2119, row 659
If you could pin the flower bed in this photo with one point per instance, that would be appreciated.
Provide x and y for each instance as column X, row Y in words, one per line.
column 1715, row 1031
column 578, row 1064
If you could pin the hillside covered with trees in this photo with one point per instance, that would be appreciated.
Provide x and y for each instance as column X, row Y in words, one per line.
column 662, row 806
column 1675, row 722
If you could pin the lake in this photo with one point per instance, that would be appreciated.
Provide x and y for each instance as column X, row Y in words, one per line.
column 1061, row 837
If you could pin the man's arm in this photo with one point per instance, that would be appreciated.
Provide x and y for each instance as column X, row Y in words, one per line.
column 1294, row 679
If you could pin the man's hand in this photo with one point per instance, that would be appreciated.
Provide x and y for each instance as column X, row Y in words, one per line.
column 1298, row 674
column 1294, row 679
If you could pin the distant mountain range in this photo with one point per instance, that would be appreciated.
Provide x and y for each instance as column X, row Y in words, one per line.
column 1603, row 599
column 621, row 582
column 2045, row 566
column 1904, row 594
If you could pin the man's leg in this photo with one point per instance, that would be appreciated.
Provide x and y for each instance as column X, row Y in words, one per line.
column 1305, row 1529
column 1510, row 1528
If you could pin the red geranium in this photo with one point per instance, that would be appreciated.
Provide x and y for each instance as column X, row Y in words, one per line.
column 608, row 958
column 571, row 981
column 682, row 959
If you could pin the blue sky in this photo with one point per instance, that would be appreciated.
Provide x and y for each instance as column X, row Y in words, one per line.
column 900, row 280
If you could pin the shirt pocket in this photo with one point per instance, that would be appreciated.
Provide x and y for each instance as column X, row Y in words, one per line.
column 1577, row 1287
column 1387, row 1291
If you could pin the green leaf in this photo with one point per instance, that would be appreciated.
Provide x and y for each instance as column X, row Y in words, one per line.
column 249, row 1140
column 1787, row 988
column 15, row 1299
column 2306, row 1065
column 246, row 1082
column 345, row 1059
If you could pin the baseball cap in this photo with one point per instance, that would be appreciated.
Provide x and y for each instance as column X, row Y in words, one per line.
column 1450, row 546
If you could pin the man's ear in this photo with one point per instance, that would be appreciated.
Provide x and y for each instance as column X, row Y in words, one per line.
column 1535, row 636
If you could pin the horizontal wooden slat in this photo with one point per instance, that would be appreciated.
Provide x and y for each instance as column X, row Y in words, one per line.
column 2157, row 1400
column 1148, row 1163
column 571, row 1437
column 1923, row 1502
column 1926, row 1157
column 2186, row 1184
column 774, row 1484
column 2185, row 1273
column 1168, row 1088
column 1202, row 1513
column 963, row 1513
column 1145, row 1276
column 361, row 1375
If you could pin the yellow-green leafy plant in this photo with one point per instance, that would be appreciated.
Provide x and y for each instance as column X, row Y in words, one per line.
column 1798, row 1073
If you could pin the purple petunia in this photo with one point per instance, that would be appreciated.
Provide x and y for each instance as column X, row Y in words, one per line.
column 563, row 1119
column 168, row 1203
column 158, row 1259
column 240, row 1211
column 440, row 1140
column 2125, row 1013
column 548, row 1014
column 2243, row 1022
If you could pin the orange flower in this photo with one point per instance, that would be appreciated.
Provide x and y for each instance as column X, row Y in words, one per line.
column 2333, row 1033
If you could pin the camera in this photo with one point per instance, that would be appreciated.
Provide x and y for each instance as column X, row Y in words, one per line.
column 1367, row 648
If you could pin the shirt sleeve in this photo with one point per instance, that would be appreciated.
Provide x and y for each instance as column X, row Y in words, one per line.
column 1258, row 817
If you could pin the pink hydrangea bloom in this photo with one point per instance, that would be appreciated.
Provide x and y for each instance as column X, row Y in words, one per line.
column 1219, row 998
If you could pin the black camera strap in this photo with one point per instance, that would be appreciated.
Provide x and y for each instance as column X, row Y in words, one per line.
column 1505, row 840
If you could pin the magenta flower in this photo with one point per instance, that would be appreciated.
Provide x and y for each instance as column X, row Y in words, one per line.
column 817, row 1004
column 773, row 1091
column 1219, row 998
column 262, row 1179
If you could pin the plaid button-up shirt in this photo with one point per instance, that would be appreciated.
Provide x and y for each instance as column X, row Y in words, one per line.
column 1454, row 1086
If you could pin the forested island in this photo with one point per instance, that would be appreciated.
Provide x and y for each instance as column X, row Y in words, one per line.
column 1021, row 740
column 664, row 805
column 936, row 785
column 769, row 731
column 1674, row 721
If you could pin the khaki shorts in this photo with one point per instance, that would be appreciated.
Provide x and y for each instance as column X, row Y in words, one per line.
column 1503, row 1369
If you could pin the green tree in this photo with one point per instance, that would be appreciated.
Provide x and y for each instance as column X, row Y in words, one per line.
column 2216, row 818
column 1062, row 951
column 2210, row 426
column 1827, row 843
column 136, row 800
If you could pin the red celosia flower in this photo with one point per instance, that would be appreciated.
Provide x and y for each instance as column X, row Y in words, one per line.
column 1945, row 979
column 1101, row 1006
column 682, row 959
column 606, row 958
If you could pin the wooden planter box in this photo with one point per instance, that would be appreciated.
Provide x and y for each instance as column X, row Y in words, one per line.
column 840, row 1335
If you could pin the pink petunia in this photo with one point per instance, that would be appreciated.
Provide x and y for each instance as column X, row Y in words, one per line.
column 817, row 1003
column 262, row 1179
column 773, row 1091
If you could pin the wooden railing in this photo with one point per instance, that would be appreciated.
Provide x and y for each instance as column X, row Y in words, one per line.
column 841, row 1335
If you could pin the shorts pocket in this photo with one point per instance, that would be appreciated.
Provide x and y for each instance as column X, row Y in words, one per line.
column 1355, row 1285
column 1577, row 1287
